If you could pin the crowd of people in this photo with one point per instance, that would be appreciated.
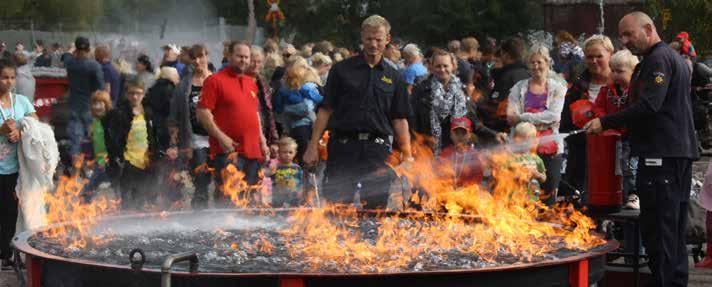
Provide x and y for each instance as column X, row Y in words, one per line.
column 327, row 119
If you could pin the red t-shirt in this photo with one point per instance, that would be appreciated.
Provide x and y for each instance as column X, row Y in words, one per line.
column 232, row 98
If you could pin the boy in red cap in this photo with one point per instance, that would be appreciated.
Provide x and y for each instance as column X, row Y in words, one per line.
column 463, row 160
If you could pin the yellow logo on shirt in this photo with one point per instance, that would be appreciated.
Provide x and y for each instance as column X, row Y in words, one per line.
column 387, row 80
column 252, row 93
column 659, row 78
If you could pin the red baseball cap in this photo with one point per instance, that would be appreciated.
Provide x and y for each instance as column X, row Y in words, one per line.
column 461, row 123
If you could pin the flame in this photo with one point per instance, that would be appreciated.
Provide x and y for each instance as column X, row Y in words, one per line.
column 472, row 220
column 66, row 204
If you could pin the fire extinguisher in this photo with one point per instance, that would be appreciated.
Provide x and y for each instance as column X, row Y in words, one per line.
column 605, row 189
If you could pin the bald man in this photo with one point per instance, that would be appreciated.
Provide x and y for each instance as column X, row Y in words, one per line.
column 662, row 135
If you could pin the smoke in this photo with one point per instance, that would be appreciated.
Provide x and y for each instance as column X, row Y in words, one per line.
column 186, row 222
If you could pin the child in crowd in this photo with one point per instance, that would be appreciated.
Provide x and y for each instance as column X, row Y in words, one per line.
column 616, row 98
column 525, row 142
column 271, row 164
column 462, row 157
column 287, row 189
column 296, row 101
column 100, row 105
column 132, row 147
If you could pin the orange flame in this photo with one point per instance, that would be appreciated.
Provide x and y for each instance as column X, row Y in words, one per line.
column 67, row 205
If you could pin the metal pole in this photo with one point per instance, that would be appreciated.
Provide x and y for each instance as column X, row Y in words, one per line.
column 170, row 260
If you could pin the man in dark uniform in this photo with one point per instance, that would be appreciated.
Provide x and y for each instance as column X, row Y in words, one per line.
column 662, row 134
column 366, row 108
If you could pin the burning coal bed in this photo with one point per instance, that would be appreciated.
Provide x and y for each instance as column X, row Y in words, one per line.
column 262, row 246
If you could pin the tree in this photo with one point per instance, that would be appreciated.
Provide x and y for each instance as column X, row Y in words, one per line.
column 691, row 16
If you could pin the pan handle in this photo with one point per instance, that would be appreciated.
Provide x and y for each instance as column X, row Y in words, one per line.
column 137, row 264
column 192, row 257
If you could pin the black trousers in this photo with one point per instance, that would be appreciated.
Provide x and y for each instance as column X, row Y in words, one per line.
column 575, row 168
column 352, row 162
column 201, row 178
column 8, row 213
column 302, row 135
column 137, row 188
column 664, row 192
column 553, row 176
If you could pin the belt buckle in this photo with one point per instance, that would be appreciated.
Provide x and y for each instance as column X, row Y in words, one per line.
column 363, row 136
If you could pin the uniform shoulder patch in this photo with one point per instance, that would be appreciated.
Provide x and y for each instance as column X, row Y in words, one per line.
column 658, row 78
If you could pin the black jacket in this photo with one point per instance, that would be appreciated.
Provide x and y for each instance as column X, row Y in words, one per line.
column 659, row 119
column 578, row 91
column 159, row 99
column 504, row 79
column 117, row 124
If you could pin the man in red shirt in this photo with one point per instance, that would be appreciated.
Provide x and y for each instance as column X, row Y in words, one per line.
column 229, row 112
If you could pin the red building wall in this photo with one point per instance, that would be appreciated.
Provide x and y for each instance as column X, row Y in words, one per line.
column 578, row 18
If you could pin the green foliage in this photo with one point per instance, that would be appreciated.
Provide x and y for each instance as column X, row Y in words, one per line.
column 692, row 16
column 423, row 21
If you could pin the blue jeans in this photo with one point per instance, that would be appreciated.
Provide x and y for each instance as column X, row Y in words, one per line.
column 250, row 167
column 78, row 131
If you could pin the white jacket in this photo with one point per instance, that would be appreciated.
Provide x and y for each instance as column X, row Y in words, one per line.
column 38, row 156
column 548, row 119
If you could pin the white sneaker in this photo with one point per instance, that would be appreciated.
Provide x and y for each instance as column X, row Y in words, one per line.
column 633, row 202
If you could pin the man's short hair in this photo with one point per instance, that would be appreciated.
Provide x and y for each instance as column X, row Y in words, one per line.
column 233, row 45
column 514, row 47
column 375, row 21
column 468, row 44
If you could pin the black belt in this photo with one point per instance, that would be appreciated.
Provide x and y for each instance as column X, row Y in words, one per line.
column 361, row 136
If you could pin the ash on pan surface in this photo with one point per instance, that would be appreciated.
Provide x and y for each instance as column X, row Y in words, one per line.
column 267, row 250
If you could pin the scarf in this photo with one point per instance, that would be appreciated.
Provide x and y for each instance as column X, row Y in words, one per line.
column 450, row 102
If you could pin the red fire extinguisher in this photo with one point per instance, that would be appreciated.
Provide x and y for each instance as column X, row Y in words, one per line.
column 605, row 190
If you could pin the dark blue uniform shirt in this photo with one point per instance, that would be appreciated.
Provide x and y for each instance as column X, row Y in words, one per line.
column 659, row 118
column 365, row 99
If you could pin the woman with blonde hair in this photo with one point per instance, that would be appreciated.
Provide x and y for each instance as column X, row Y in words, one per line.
column 598, row 50
column 539, row 101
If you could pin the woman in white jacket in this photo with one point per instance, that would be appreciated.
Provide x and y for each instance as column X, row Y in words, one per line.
column 539, row 100
column 13, row 108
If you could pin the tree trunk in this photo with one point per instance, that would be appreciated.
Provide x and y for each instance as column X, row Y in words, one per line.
column 251, row 22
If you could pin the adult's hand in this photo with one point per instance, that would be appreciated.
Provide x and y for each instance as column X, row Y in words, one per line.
column 7, row 127
column 266, row 151
column 172, row 153
column 14, row 136
column 311, row 155
column 227, row 144
column 594, row 126
column 501, row 138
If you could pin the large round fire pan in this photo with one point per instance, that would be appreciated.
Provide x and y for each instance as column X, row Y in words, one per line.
column 45, row 269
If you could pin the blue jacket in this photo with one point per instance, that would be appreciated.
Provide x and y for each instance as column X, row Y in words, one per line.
column 296, row 107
